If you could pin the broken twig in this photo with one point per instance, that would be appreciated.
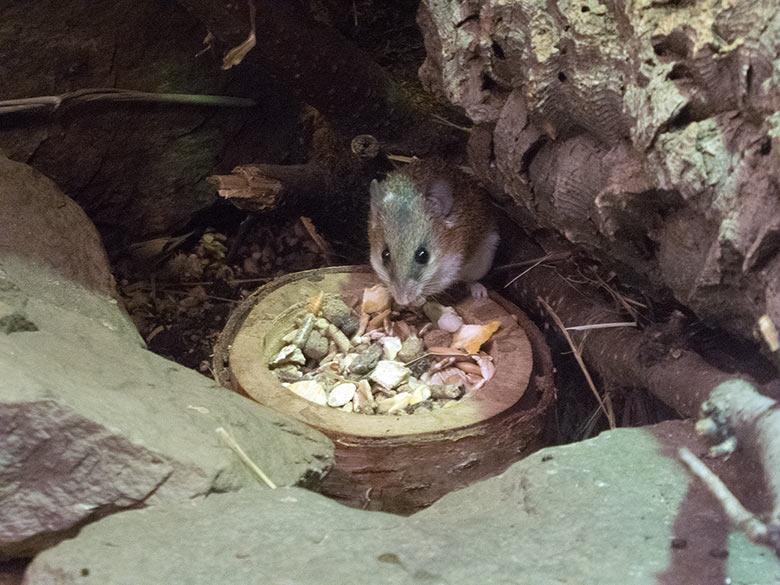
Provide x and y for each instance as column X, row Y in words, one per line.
column 233, row 444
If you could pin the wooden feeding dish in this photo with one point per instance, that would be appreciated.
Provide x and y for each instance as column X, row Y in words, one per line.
column 397, row 463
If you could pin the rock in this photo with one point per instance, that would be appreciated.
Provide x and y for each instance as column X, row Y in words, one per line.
column 363, row 401
column 366, row 360
column 420, row 394
column 394, row 404
column 391, row 346
column 570, row 514
column 288, row 373
column 411, row 349
column 45, row 225
column 310, row 390
column 446, row 390
column 14, row 320
column 289, row 354
column 437, row 338
column 98, row 424
column 316, row 346
column 389, row 374
column 337, row 312
column 341, row 394
column 92, row 423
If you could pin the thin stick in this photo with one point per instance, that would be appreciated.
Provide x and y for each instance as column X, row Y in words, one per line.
column 578, row 356
column 186, row 293
column 231, row 442
column 52, row 103
column 740, row 518
column 601, row 326
column 446, row 122
column 527, row 270
column 552, row 257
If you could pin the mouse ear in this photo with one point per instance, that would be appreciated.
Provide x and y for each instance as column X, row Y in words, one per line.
column 377, row 193
column 439, row 199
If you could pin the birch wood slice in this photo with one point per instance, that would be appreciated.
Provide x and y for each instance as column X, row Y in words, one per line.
column 397, row 463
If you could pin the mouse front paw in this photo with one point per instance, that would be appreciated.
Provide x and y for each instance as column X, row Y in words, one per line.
column 478, row 291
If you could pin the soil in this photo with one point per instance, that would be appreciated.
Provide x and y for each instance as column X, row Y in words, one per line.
column 181, row 303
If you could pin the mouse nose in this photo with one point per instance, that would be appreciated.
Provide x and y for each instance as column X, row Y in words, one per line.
column 400, row 297
column 409, row 294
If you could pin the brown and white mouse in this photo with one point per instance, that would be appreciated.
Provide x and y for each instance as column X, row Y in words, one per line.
column 430, row 226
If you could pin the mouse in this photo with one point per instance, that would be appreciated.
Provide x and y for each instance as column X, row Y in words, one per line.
column 430, row 225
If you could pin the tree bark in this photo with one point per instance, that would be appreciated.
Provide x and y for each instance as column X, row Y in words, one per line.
column 646, row 133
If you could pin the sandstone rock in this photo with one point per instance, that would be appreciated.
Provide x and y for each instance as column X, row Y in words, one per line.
column 389, row 374
column 316, row 346
column 310, row 390
column 91, row 422
column 337, row 312
column 366, row 360
column 412, row 348
column 601, row 511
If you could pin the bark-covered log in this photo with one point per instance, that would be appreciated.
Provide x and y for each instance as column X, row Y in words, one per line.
column 655, row 357
column 646, row 132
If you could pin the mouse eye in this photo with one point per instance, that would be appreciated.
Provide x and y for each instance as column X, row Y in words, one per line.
column 421, row 256
column 385, row 256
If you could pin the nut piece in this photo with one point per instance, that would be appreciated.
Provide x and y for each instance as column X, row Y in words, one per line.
column 363, row 400
column 437, row 338
column 443, row 317
column 394, row 403
column 392, row 346
column 310, row 390
column 341, row 394
column 421, row 394
column 471, row 337
column 375, row 299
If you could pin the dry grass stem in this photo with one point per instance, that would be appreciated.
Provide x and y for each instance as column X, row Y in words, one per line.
column 601, row 326
column 606, row 408
column 527, row 270
column 318, row 240
column 231, row 442
column 446, row 122
column 552, row 257
column 400, row 158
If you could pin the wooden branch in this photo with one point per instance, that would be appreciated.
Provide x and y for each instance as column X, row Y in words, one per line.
column 622, row 357
column 263, row 187
column 735, row 409
column 739, row 517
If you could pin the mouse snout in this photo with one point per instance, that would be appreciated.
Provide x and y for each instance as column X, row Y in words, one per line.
column 407, row 294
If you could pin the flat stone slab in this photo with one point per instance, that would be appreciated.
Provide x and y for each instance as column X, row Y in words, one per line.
column 90, row 421
column 614, row 510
